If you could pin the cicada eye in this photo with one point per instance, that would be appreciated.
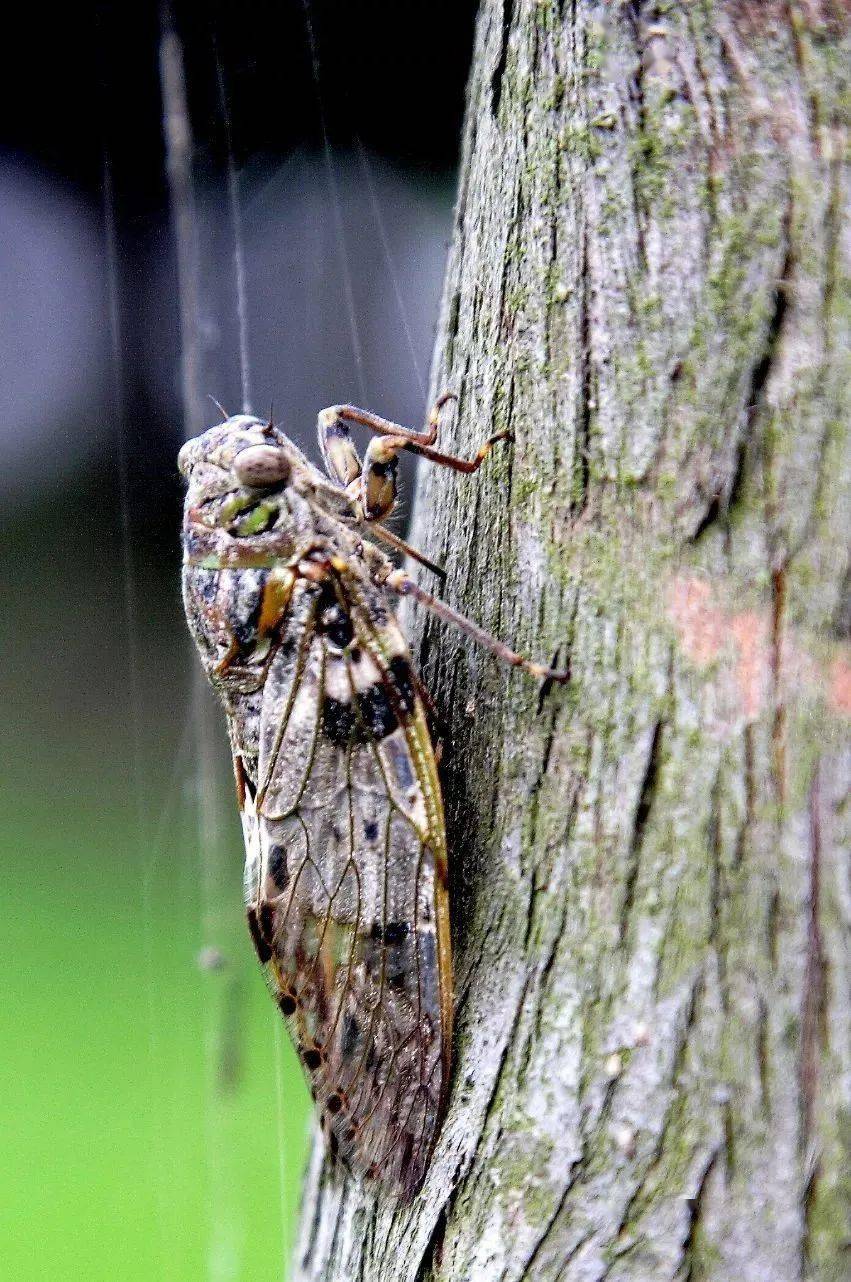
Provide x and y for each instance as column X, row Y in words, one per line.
column 260, row 465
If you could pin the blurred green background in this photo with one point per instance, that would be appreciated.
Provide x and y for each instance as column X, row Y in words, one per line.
column 154, row 1117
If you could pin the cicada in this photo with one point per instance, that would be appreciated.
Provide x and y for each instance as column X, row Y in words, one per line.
column 290, row 600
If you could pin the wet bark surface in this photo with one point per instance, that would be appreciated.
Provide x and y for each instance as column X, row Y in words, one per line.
column 648, row 285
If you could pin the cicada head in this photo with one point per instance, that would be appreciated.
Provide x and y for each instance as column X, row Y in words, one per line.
column 236, row 472
column 240, row 532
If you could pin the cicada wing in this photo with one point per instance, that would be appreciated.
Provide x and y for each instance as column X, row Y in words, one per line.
column 347, row 898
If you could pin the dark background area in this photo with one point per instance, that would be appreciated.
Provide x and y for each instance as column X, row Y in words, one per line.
column 154, row 1118
column 86, row 76
column 82, row 88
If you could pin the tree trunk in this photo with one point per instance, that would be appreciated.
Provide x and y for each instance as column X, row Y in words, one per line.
column 648, row 284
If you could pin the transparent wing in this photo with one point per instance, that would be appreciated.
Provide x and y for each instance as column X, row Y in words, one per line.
column 346, row 878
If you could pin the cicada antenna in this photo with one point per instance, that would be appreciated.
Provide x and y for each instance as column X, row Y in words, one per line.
column 220, row 408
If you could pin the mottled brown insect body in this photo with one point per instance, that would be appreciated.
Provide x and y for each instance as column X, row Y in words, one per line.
column 289, row 602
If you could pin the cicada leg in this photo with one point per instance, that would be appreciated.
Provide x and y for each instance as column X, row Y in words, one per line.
column 392, row 540
column 397, row 581
column 374, row 480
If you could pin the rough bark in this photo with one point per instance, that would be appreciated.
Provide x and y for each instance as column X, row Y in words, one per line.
column 648, row 284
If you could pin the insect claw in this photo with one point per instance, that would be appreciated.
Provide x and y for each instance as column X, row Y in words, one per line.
column 560, row 676
column 545, row 674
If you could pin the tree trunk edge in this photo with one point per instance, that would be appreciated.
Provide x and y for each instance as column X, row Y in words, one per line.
column 650, row 886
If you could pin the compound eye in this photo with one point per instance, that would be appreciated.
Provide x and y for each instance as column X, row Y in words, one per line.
column 261, row 465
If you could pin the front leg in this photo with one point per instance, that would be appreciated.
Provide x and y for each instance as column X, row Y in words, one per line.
column 373, row 482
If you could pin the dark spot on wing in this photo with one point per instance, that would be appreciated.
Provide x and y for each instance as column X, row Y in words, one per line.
column 338, row 720
column 396, row 932
column 278, row 870
column 398, row 964
column 371, row 716
column 403, row 680
column 333, row 1143
column 312, row 1058
column 334, row 1103
column 370, row 830
column 337, row 626
column 287, row 1004
column 389, row 952
column 332, row 619
column 266, row 921
column 264, row 952
column 376, row 711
